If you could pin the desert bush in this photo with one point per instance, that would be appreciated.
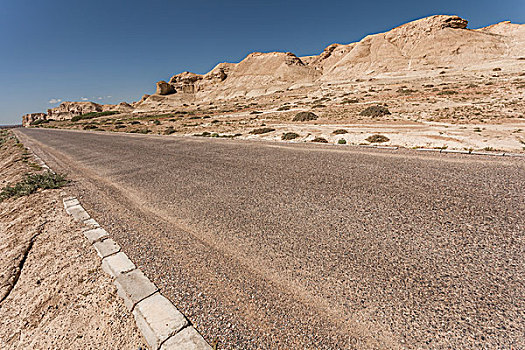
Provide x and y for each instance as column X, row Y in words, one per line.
column 377, row 138
column 261, row 131
column 289, row 136
column 135, row 122
column 339, row 132
column 349, row 100
column 375, row 111
column 90, row 127
column 341, row 142
column 38, row 122
column 156, row 122
column 169, row 130
column 320, row 140
column 92, row 115
column 447, row 92
column 204, row 134
column 31, row 183
column 405, row 91
column 304, row 117
column 284, row 108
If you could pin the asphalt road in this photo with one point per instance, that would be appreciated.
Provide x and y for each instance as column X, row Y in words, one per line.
column 272, row 245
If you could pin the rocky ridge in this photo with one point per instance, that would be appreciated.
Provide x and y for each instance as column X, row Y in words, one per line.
column 425, row 47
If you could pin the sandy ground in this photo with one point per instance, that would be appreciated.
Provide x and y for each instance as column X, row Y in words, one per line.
column 53, row 294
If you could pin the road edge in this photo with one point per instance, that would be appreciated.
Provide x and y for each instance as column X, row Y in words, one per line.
column 162, row 325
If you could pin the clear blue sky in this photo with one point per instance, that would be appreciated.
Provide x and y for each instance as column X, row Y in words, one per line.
column 110, row 51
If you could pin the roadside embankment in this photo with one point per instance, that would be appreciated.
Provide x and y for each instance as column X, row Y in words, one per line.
column 53, row 293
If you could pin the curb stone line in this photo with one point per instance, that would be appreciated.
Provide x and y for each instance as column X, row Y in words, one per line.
column 442, row 150
column 163, row 326
column 160, row 322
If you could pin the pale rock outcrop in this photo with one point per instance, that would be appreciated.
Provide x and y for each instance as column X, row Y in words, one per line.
column 163, row 88
column 185, row 82
column 29, row 118
column 423, row 44
column 67, row 110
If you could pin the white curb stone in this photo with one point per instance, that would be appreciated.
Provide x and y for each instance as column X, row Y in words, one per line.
column 69, row 202
column 95, row 235
column 78, row 213
column 117, row 264
column 106, row 248
column 478, row 153
column 455, row 151
column 160, row 322
column 514, row 155
column 91, row 222
column 158, row 319
column 187, row 339
column 387, row 147
column 429, row 149
column 133, row 287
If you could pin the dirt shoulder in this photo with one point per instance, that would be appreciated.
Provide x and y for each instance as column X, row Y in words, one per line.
column 53, row 293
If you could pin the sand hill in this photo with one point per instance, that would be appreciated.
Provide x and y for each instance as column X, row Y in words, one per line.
column 424, row 46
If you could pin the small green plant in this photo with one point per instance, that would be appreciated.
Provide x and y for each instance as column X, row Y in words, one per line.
column 341, row 142
column 304, row 117
column 377, row 138
column 31, row 183
column 447, row 92
column 405, row 91
column 289, row 136
column 92, row 115
column 38, row 122
column 169, row 130
column 156, row 122
column 375, row 111
column 261, row 131
column 203, row 134
column 140, row 131
column 320, row 140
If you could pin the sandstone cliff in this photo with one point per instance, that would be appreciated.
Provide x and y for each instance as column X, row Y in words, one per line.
column 424, row 47
column 29, row 118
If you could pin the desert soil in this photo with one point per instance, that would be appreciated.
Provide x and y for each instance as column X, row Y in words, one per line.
column 53, row 294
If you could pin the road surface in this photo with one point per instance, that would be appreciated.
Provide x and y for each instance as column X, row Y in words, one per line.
column 277, row 245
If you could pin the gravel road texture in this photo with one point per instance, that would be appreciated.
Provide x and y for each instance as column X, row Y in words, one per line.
column 268, row 245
